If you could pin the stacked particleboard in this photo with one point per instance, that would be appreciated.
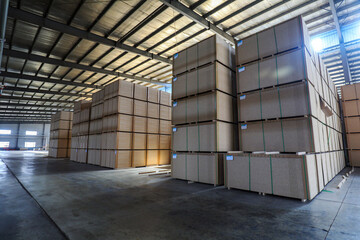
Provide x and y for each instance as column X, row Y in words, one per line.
column 60, row 134
column 136, row 126
column 203, row 110
column 80, row 131
column 350, row 98
column 287, row 106
column 95, row 128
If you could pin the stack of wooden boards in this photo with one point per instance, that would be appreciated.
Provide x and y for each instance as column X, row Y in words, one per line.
column 287, row 104
column 203, row 105
column 80, row 131
column 129, row 126
column 60, row 134
column 136, row 126
column 288, row 116
column 350, row 98
column 95, row 128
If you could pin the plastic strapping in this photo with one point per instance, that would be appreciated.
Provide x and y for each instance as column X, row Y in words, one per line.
column 186, row 166
column 308, row 101
column 306, row 182
column 186, row 100
column 272, row 185
column 257, row 44
column 197, row 103
column 278, row 90
column 216, row 128
column 198, row 167
column 249, row 173
column 307, row 87
column 225, row 171
column 187, row 141
column 216, row 167
column 197, row 70
column 262, row 122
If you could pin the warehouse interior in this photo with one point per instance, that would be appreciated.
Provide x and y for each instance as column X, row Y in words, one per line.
column 180, row 119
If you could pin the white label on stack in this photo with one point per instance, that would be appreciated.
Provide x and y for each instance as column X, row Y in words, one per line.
column 174, row 155
column 229, row 157
column 242, row 97
column 243, row 126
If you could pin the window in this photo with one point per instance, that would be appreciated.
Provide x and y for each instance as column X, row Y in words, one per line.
column 3, row 131
column 30, row 144
column 31, row 133
column 4, row 144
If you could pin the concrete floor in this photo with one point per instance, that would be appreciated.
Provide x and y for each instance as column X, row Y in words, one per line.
column 42, row 198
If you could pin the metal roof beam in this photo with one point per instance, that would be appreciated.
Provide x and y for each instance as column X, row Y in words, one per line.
column 4, row 5
column 256, row 15
column 344, row 58
column 34, row 105
column 27, row 110
column 327, row 23
column 337, row 54
column 53, row 61
column 60, row 27
column 218, row 8
column 317, row 9
column 351, row 57
column 23, row 114
column 237, row 12
column 4, row 97
column 184, row 28
column 27, row 120
column 181, row 8
column 126, row 17
column 171, row 21
column 144, row 22
column 275, row 17
column 47, row 80
column 197, row 4
column 336, row 47
column 20, row 89
column 26, row 115
column 183, row 41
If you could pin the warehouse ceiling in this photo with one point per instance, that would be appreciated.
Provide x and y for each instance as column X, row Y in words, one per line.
column 61, row 51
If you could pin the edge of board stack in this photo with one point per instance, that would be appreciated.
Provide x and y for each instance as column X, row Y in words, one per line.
column 287, row 115
column 129, row 126
column 60, row 134
column 351, row 111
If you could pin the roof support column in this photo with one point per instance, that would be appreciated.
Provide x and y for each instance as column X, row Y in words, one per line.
column 4, row 5
column 344, row 59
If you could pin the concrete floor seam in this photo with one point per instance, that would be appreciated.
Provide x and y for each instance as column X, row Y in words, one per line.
column 342, row 203
column 37, row 203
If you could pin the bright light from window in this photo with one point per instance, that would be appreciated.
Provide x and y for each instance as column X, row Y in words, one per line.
column 31, row 133
column 317, row 44
column 4, row 144
column 30, row 144
column 2, row 131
